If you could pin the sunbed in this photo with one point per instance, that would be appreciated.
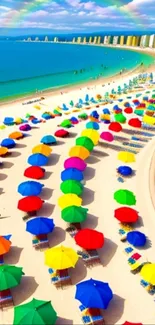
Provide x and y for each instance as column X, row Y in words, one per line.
column 90, row 257
column 6, row 299
column 60, row 278
column 91, row 316
column 40, row 242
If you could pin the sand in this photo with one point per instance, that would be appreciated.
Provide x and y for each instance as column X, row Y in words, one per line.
column 131, row 302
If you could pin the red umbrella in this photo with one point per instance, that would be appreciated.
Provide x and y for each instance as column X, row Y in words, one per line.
column 129, row 323
column 135, row 122
column 61, row 133
column 115, row 126
column 89, row 239
column 128, row 110
column 126, row 215
column 30, row 204
column 34, row 172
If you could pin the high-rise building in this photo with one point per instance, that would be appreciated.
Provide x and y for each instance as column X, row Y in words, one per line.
column 129, row 40
column 90, row 39
column 99, row 40
column 115, row 40
column 84, row 40
column 29, row 39
column 46, row 39
column 121, row 40
column 73, row 40
column 56, row 39
column 145, row 39
column 79, row 40
column 152, row 41
column 36, row 39
column 95, row 40
column 105, row 41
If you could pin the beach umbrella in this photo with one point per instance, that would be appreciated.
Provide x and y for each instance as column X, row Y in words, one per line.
column 87, row 98
column 35, row 312
column 72, row 174
column 80, row 101
column 148, row 273
column 37, row 159
column 34, row 172
column 40, row 226
column 8, row 121
column 148, row 120
column 127, row 157
column 106, row 111
column 135, row 122
column 74, row 120
column 92, row 125
column 8, row 143
column 125, row 197
column 80, row 152
column 74, row 214
column 61, row 133
column 120, row 118
column 64, row 107
column 125, row 170
column 89, row 239
column 7, row 237
column 129, row 323
column 30, row 204
column 139, row 112
column 71, row 186
column 43, row 149
column 126, row 215
column 5, row 245
column 71, row 103
column 94, row 294
column 16, row 135
column 107, row 136
column 85, row 142
column 46, row 116
column 92, row 134
column 61, row 257
column 10, row 276
column 3, row 151
column 128, row 110
column 66, row 124
column 94, row 114
column 70, row 199
column 25, row 127
column 29, row 188
column 48, row 139
column 115, row 126
column 136, row 238
column 75, row 162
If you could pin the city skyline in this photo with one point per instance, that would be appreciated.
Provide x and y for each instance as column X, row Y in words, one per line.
column 71, row 16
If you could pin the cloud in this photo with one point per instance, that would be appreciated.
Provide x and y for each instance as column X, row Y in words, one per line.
column 3, row 8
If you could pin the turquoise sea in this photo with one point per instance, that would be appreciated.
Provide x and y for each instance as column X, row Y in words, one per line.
column 27, row 67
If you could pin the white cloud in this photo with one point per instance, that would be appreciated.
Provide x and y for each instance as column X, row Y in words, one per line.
column 81, row 13
column 3, row 8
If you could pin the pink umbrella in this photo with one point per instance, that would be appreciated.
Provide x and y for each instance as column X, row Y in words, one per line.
column 75, row 162
column 25, row 127
column 107, row 136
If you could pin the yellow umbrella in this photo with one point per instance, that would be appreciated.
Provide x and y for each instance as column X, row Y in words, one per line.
column 60, row 257
column 18, row 120
column 42, row 148
column 148, row 119
column 37, row 107
column 105, row 117
column 92, row 134
column 126, row 157
column 148, row 273
column 3, row 151
column 79, row 151
column 67, row 200
column 2, row 127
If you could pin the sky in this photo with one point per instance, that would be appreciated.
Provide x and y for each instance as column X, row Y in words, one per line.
column 71, row 16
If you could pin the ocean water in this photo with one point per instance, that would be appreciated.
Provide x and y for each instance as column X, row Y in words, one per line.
column 27, row 67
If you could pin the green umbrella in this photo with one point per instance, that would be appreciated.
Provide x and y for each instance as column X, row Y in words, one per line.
column 28, row 115
column 71, row 103
column 139, row 112
column 71, row 186
column 66, row 124
column 153, row 96
column 83, row 116
column 55, row 111
column 35, row 312
column 125, row 197
column 85, row 142
column 138, row 95
column 120, row 118
column 10, row 276
column 74, row 214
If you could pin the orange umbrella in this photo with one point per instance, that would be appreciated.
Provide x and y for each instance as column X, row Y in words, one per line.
column 16, row 135
column 3, row 151
column 4, row 245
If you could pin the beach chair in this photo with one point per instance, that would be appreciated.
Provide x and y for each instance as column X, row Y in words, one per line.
column 91, row 258
column 40, row 242
column 91, row 315
column 29, row 215
column 73, row 229
column 128, row 250
column 61, row 278
column 126, row 227
column 120, row 179
column 1, row 260
column 6, row 299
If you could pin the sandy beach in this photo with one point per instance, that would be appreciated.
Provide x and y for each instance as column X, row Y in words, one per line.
column 131, row 301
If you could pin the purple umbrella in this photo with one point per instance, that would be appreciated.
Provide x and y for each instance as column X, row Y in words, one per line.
column 75, row 162
column 107, row 136
column 25, row 127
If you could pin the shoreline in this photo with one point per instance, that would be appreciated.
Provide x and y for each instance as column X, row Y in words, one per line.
column 71, row 87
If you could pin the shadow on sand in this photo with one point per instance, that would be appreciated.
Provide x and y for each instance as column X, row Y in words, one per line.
column 15, row 154
column 13, row 256
column 25, row 290
column 46, row 210
column 47, row 175
column 98, row 153
column 107, row 252
column 53, row 159
column 88, row 196
column 46, row 193
column 20, row 146
column 79, row 272
column 92, row 160
column 90, row 222
column 7, row 164
column 64, row 321
column 89, row 173
column 72, row 135
column 57, row 236
column 3, row 177
column 115, row 310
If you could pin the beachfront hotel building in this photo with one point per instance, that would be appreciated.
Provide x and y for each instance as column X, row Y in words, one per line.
column 144, row 42
column 152, row 41
column 135, row 41
column 79, row 40
column 105, row 41
column 95, row 40
column 84, row 40
column 122, row 40
column 115, row 40
column 73, row 40
column 90, row 40
column 129, row 40
column 99, row 40
column 56, row 40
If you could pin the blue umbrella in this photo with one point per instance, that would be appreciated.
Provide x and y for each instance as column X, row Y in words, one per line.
column 92, row 125
column 93, row 294
column 80, row 101
column 35, row 121
column 48, row 139
column 93, row 100
column 8, row 143
column 37, row 159
column 127, row 104
column 87, row 98
column 125, row 170
column 71, row 173
column 40, row 226
column 74, row 119
column 94, row 114
column 136, row 238
column 64, row 107
column 106, row 111
column 7, row 237
column 29, row 188
column 8, row 121
column 46, row 116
